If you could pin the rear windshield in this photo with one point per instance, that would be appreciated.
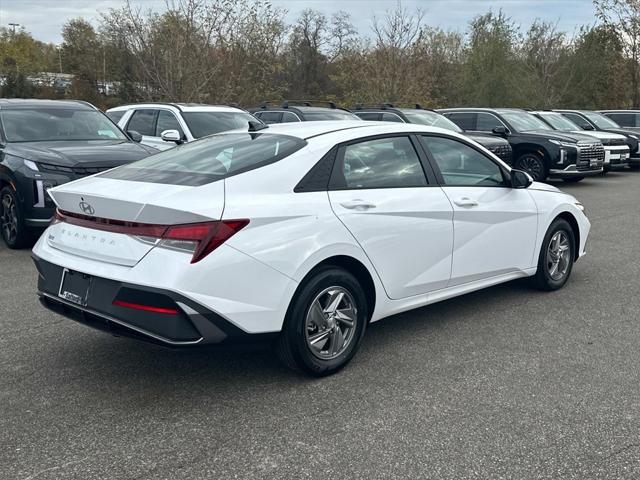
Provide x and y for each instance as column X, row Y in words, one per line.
column 202, row 124
column 209, row 159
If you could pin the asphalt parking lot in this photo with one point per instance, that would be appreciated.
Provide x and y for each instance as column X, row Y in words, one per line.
column 503, row 383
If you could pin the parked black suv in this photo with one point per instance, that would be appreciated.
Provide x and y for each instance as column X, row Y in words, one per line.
column 389, row 113
column 537, row 149
column 44, row 143
column 588, row 120
column 300, row 111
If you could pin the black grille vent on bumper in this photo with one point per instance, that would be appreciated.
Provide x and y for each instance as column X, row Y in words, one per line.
column 587, row 153
column 503, row 152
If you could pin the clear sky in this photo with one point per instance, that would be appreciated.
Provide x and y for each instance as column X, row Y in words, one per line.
column 44, row 18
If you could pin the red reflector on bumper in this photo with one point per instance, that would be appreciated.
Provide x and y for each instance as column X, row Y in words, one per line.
column 146, row 308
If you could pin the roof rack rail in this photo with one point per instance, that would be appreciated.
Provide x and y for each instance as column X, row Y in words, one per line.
column 310, row 103
column 381, row 106
column 170, row 104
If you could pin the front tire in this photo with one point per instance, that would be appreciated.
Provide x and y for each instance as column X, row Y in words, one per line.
column 557, row 254
column 533, row 164
column 325, row 323
column 14, row 233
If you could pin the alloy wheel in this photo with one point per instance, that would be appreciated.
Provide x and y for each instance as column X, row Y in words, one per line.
column 532, row 166
column 558, row 255
column 330, row 323
column 9, row 218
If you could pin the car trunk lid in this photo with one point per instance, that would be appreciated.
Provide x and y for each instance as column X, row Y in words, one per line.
column 104, row 200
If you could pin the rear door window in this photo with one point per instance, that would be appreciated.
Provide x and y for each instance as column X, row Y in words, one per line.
column 288, row 117
column 391, row 117
column 144, row 122
column 381, row 163
column 269, row 117
column 624, row 119
column 371, row 116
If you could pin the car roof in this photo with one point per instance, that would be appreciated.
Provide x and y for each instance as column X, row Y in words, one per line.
column 183, row 107
column 18, row 103
column 349, row 128
column 300, row 108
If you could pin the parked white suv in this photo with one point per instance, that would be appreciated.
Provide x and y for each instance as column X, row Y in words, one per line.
column 616, row 150
column 163, row 125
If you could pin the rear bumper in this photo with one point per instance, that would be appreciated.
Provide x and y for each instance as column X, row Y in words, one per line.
column 194, row 324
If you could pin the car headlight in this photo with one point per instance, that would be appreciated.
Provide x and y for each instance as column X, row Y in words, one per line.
column 564, row 144
column 30, row 165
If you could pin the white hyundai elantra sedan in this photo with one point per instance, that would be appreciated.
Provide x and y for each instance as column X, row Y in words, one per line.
column 302, row 233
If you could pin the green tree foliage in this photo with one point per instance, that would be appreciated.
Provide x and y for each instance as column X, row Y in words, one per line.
column 243, row 52
column 490, row 63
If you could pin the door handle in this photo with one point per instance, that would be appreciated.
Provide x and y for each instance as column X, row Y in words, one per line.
column 466, row 202
column 357, row 204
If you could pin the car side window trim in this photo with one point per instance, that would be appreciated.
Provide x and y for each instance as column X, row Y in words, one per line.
column 434, row 165
column 334, row 184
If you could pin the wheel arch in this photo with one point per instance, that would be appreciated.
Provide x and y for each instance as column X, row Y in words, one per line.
column 524, row 148
column 571, row 220
column 357, row 269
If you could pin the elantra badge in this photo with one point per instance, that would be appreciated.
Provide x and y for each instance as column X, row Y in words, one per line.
column 86, row 208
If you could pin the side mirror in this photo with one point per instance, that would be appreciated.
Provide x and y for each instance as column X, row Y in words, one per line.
column 171, row 136
column 500, row 130
column 587, row 126
column 520, row 179
column 135, row 136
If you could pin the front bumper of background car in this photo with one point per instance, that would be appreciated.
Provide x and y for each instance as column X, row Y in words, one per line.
column 37, row 206
column 572, row 171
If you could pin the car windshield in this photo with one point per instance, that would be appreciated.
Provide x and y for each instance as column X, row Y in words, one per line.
column 600, row 120
column 432, row 119
column 329, row 115
column 524, row 122
column 210, row 159
column 560, row 122
column 202, row 124
column 57, row 124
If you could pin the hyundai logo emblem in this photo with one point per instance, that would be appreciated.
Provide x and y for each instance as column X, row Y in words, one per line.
column 86, row 208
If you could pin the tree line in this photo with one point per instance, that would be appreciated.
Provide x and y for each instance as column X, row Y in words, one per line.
column 243, row 52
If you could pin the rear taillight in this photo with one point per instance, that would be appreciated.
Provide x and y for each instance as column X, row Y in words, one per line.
column 199, row 238
column 202, row 238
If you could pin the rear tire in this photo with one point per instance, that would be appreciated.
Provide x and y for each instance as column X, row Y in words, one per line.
column 573, row 179
column 533, row 164
column 12, row 228
column 556, row 258
column 325, row 323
